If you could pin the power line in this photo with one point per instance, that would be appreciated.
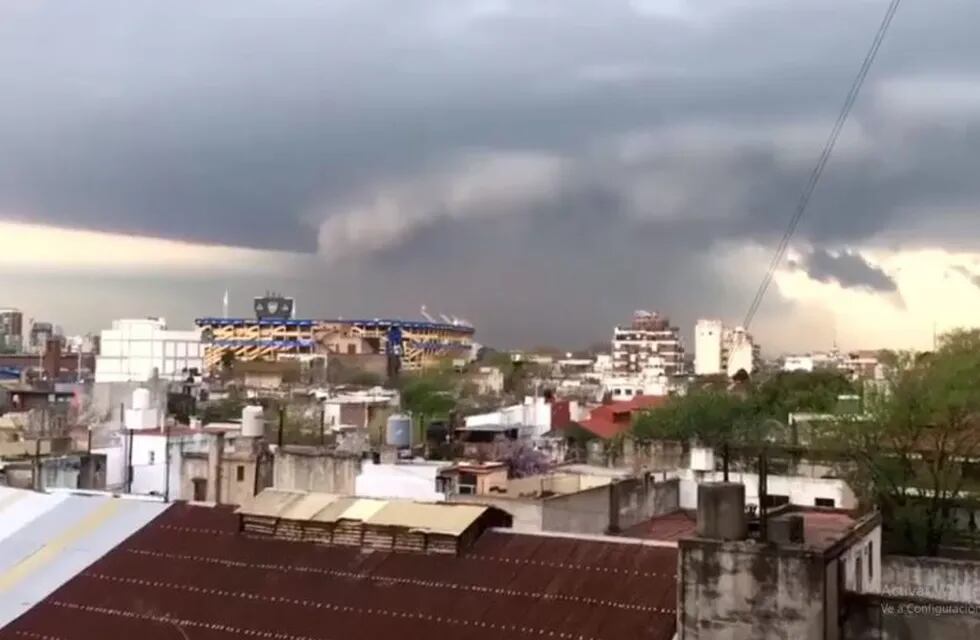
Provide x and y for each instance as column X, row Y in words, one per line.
column 828, row 148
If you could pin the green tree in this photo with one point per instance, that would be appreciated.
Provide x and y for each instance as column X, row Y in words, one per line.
column 912, row 448
column 708, row 417
column 427, row 396
column 794, row 391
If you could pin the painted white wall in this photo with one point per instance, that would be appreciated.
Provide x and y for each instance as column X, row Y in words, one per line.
column 534, row 413
column 134, row 348
column 150, row 462
column 115, row 466
column 802, row 491
column 412, row 481
column 868, row 549
column 741, row 353
column 798, row 363
column 603, row 363
column 707, row 347
column 490, row 380
column 649, row 382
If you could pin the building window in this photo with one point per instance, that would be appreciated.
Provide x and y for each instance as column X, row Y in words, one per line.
column 871, row 560
column 153, row 458
column 775, row 500
column 825, row 502
column 200, row 489
column 240, row 473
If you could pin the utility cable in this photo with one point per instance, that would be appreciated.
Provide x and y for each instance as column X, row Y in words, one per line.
column 828, row 149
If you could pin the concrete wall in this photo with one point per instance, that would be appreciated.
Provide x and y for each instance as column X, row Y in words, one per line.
column 932, row 578
column 51, row 473
column 643, row 498
column 107, row 396
column 313, row 470
column 233, row 490
column 586, row 511
column 410, row 481
column 551, row 483
column 343, row 367
column 864, row 555
column 527, row 513
column 737, row 591
column 652, row 456
column 582, row 512
column 879, row 618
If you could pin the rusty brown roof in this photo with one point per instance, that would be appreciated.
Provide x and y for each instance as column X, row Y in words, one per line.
column 190, row 573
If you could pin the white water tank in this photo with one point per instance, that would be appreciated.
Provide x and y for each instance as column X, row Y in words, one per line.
column 399, row 431
column 141, row 399
column 702, row 459
column 253, row 422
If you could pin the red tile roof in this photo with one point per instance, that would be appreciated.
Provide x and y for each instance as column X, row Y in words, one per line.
column 189, row 572
column 821, row 528
column 612, row 419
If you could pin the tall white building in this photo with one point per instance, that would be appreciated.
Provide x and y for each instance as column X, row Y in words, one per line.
column 721, row 350
column 134, row 349
column 741, row 352
column 708, row 336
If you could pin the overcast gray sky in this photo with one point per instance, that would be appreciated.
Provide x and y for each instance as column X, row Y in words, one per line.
column 541, row 167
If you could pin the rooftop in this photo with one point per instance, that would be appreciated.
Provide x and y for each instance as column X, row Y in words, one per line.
column 190, row 571
column 48, row 538
column 444, row 518
column 822, row 528
column 609, row 420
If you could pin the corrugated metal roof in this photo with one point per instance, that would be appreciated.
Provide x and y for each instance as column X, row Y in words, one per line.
column 358, row 509
column 190, row 573
column 47, row 539
column 270, row 503
column 450, row 519
column 307, row 506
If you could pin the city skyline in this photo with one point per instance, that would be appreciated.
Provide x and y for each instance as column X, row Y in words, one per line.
column 567, row 163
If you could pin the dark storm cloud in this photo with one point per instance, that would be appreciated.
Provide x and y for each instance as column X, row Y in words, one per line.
column 228, row 122
column 970, row 275
column 848, row 269
column 665, row 128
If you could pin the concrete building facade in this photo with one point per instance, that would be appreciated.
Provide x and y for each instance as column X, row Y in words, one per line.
column 708, row 347
column 723, row 350
column 649, row 341
column 11, row 330
column 134, row 350
column 789, row 583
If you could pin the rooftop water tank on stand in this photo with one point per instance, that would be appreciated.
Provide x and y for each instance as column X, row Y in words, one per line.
column 253, row 422
column 399, row 431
